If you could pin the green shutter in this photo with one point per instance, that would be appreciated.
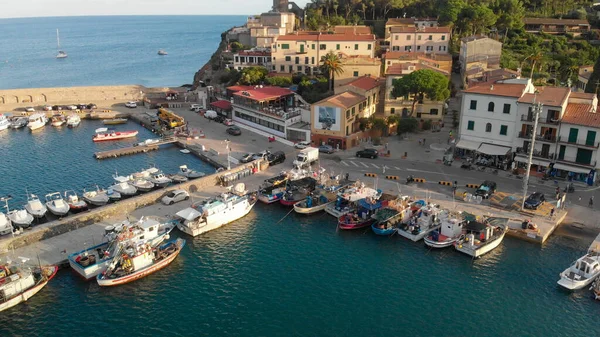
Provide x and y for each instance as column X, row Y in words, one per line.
column 584, row 156
column 302, row 48
column 471, row 125
column 573, row 135
column 285, row 46
column 591, row 138
column 337, row 47
column 561, row 152
column 503, row 130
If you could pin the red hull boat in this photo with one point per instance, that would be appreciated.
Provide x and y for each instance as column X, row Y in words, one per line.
column 351, row 221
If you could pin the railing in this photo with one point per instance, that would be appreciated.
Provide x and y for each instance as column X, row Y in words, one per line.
column 542, row 138
column 565, row 140
column 536, row 153
column 274, row 112
column 547, row 120
column 575, row 162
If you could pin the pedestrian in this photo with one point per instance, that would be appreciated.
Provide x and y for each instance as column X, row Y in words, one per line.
column 347, row 176
column 386, row 146
column 420, row 142
column 552, row 213
column 592, row 201
column 423, row 141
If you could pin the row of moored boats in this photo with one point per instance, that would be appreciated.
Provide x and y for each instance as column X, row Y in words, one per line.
column 38, row 120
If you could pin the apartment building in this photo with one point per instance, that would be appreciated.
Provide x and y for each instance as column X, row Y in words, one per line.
column 433, row 60
column 479, row 55
column 420, row 39
column 368, row 87
column 408, row 22
column 265, row 29
column 356, row 66
column 583, row 77
column 252, row 58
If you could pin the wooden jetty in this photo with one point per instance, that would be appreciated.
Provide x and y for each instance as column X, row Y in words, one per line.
column 134, row 149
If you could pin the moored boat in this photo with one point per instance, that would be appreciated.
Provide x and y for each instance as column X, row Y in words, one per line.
column 595, row 288
column 5, row 224
column 73, row 121
column 348, row 196
column 96, row 197
column 20, row 284
column 123, row 186
column 315, row 202
column 450, row 231
column 480, row 238
column 58, row 120
column 177, row 178
column 421, row 220
column 37, row 121
column 581, row 273
column 56, row 204
column 35, row 207
column 190, row 174
column 363, row 217
column 142, row 185
column 102, row 134
column 297, row 190
column 75, row 204
column 114, row 121
column 159, row 179
column 272, row 189
column 142, row 261
column 20, row 218
column 18, row 123
column 4, row 122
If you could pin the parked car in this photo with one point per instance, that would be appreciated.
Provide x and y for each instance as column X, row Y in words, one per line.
column 57, row 108
column 228, row 122
column 71, row 107
column 234, row 131
column 247, row 157
column 261, row 155
column 326, row 149
column 29, row 109
column 210, row 114
column 535, row 200
column 47, row 107
column 367, row 153
column 81, row 106
column 486, row 189
column 92, row 106
column 302, row 145
column 195, row 107
column 219, row 119
column 131, row 104
column 175, row 196
column 276, row 158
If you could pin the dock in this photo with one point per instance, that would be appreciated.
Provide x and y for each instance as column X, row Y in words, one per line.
column 134, row 149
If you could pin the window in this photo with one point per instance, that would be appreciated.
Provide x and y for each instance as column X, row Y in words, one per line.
column 237, row 59
column 297, row 60
column 440, row 48
column 285, row 46
column 408, row 37
column 288, row 58
column 347, row 114
column 337, row 46
column 419, row 37
column 490, row 106
column 430, row 37
column 313, row 46
column 443, row 37
column 356, row 47
column 396, row 37
column 471, row 125
column 312, row 60
column 282, row 68
column 306, row 59
column 473, row 105
column 503, row 130
column 433, row 111
column 291, row 68
column 506, row 109
column 322, row 46
column 418, row 48
column 299, row 68
column 353, row 110
column 488, row 127
column 393, row 111
column 369, row 46
column 355, row 74
column 407, row 48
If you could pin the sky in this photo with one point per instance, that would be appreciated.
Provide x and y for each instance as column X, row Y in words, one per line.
column 41, row 8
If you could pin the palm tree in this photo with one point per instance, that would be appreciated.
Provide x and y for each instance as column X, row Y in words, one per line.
column 536, row 56
column 332, row 65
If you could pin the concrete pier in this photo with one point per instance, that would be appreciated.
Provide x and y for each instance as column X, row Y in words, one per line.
column 134, row 149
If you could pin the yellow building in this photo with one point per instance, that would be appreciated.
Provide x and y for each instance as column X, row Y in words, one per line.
column 434, row 60
column 265, row 29
column 302, row 52
column 356, row 66
column 408, row 22
column 368, row 87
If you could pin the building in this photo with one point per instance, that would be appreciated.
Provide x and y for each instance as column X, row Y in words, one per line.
column 478, row 54
column 277, row 111
column 359, row 30
column 265, row 29
column 434, row 60
column 302, row 52
column 357, row 66
column 583, row 77
column 240, row 34
column 407, row 22
column 368, row 87
column 335, row 120
column 420, row 39
column 556, row 26
column 252, row 58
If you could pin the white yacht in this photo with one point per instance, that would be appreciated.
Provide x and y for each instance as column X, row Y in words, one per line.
column 4, row 122
column 73, row 121
column 20, row 218
column 480, row 238
column 123, row 186
column 60, row 54
column 190, row 174
column 96, row 197
column 37, row 121
column 35, row 207
column 216, row 212
column 56, row 204
column 160, row 180
column 18, row 123
column 581, row 273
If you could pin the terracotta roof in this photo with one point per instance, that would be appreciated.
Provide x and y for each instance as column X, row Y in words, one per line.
column 549, row 21
column 366, row 83
column 263, row 94
column 327, row 37
column 553, row 96
column 352, row 29
column 404, row 68
column 400, row 21
column 498, row 89
column 424, row 30
column 222, row 104
column 240, row 87
column 581, row 114
column 475, row 38
column 346, row 99
column 582, row 95
column 254, row 53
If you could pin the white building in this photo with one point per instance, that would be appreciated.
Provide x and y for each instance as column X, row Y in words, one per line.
column 252, row 58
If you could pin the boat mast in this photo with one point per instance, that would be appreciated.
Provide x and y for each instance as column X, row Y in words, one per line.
column 57, row 40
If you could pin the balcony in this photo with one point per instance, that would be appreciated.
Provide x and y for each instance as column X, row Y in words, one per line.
column 572, row 161
column 536, row 153
column 565, row 140
column 543, row 120
column 541, row 138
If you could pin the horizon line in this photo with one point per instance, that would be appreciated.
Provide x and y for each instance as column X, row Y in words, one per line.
column 102, row 15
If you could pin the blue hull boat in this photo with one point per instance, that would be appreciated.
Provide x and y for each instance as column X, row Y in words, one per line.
column 382, row 231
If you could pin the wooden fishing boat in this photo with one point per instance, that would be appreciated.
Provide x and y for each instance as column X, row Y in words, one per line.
column 363, row 217
column 18, row 285
column 141, row 261
column 314, row 202
column 297, row 190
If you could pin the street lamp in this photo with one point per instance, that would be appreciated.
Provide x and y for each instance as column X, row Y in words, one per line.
column 537, row 109
column 227, row 141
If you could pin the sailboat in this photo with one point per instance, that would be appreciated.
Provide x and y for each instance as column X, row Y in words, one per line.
column 61, row 54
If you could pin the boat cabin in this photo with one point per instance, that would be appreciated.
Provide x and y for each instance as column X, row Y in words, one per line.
column 587, row 267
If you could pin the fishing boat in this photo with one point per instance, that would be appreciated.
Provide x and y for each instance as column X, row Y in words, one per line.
column 420, row 219
column 20, row 218
column 348, row 196
column 17, row 285
column 581, row 273
column 37, row 121
column 215, row 212
column 141, row 261
column 272, row 189
column 75, row 204
column 114, row 121
column 190, row 174
column 315, row 202
column 112, row 194
column 4, row 122
column 123, row 186
column 595, row 288
column 60, row 54
column 159, row 179
column 363, row 216
column 386, row 221
column 96, row 197
column 58, row 120
column 56, row 204
column 73, row 121
column 103, row 134
column 92, row 261
column 451, row 230
column 480, row 238
column 35, row 207
column 19, row 122
column 162, row 52
column 142, row 184
column 297, row 190
column 177, row 178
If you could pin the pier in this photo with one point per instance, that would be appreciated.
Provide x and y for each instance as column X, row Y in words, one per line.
column 134, row 149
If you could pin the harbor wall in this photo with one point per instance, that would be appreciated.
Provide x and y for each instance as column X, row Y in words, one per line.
column 122, row 207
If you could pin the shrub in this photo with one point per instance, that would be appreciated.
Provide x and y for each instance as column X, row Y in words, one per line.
column 426, row 125
column 279, row 81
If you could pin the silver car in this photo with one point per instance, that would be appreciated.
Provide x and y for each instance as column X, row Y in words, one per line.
column 175, row 196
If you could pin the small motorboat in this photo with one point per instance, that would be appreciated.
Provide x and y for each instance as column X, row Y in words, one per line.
column 297, row 190
column 20, row 218
column 5, row 224
column 96, row 197
column 186, row 151
column 18, row 123
column 115, row 121
column 178, row 178
column 73, row 121
column 450, row 232
column 35, row 207
column 148, row 142
column 123, row 186
column 4, row 122
column 480, row 238
column 191, row 174
column 581, row 273
column 37, row 121
column 18, row 285
column 138, row 261
column 103, row 134
column 75, row 204
column 56, row 204
column 58, row 120
column 160, row 180
column 272, row 189
column 419, row 219
column 142, row 185
column 162, row 52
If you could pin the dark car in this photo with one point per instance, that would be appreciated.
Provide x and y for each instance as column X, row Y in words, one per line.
column 81, row 106
column 276, row 158
column 535, row 200
column 92, row 106
column 234, row 131
column 247, row 157
column 367, row 153
column 219, row 119
column 486, row 189
column 57, row 108
column 326, row 149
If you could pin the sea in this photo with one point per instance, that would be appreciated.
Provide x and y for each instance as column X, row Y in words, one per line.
column 270, row 273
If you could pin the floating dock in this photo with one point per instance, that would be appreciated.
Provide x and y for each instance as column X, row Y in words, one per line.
column 133, row 149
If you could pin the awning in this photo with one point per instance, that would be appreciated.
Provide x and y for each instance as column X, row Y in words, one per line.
column 533, row 161
column 493, row 150
column 222, row 104
column 573, row 169
column 467, row 145
column 189, row 214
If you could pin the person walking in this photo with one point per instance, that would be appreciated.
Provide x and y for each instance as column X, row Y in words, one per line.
column 552, row 213
column 592, row 201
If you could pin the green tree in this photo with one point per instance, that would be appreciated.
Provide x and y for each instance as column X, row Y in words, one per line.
column 594, row 82
column 378, row 123
column 420, row 84
column 449, row 11
column 331, row 64
column 253, row 75
column 279, row 81
column 510, row 15
column 406, row 125
column 393, row 120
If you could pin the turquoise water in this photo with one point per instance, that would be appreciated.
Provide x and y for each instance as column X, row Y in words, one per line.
column 55, row 159
column 108, row 50
column 302, row 278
